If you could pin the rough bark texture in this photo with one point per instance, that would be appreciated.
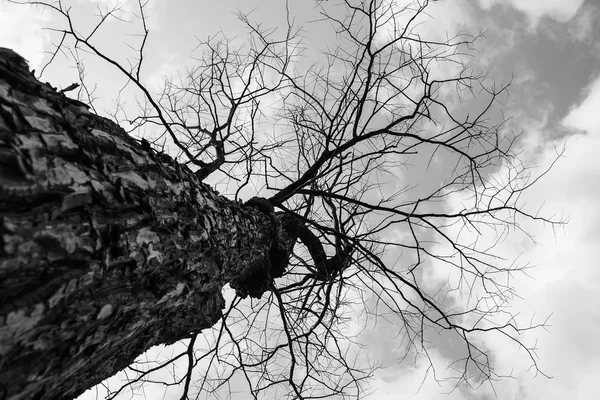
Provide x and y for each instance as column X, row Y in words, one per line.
column 106, row 247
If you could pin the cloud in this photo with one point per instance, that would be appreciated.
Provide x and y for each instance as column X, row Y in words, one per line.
column 559, row 10
column 564, row 283
column 415, row 383
column 21, row 30
column 567, row 280
column 583, row 26
column 584, row 116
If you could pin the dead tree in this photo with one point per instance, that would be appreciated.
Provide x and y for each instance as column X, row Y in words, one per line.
column 110, row 246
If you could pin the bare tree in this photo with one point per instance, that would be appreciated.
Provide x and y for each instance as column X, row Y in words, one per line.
column 111, row 246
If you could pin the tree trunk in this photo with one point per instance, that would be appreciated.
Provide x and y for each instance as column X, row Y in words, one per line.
column 106, row 247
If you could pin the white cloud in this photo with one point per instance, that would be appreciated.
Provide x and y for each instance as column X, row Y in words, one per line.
column 567, row 279
column 584, row 117
column 565, row 282
column 21, row 30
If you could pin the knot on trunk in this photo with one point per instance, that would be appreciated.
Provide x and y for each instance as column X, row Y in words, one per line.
column 258, row 278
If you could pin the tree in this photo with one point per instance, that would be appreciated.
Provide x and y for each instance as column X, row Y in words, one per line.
column 111, row 246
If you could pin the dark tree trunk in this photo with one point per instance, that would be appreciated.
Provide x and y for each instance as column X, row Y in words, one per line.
column 106, row 247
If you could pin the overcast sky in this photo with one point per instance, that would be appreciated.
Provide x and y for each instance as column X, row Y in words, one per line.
column 551, row 50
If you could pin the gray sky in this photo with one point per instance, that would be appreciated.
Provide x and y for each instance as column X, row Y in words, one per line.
column 551, row 50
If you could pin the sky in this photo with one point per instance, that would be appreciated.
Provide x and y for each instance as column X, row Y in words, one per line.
column 550, row 50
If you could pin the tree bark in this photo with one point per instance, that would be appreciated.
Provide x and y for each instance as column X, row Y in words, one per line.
column 107, row 248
